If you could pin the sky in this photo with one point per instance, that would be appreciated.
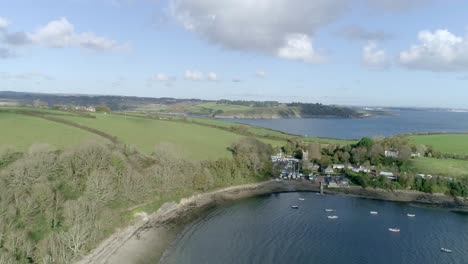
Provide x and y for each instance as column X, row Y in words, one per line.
column 346, row 52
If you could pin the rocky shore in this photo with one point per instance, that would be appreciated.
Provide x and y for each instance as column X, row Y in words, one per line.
column 149, row 237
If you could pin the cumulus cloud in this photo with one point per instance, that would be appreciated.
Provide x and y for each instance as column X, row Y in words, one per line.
column 161, row 77
column 373, row 57
column 359, row 33
column 261, row 74
column 437, row 51
column 61, row 33
column 211, row 76
column 299, row 47
column 194, row 75
column 282, row 28
column 4, row 23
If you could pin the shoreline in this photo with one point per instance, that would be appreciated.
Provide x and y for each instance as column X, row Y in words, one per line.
column 149, row 237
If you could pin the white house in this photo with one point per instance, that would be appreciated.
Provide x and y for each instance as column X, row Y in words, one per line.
column 392, row 153
column 338, row 166
column 328, row 170
column 388, row 174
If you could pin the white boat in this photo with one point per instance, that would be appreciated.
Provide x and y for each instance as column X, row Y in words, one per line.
column 301, row 199
column 411, row 215
column 446, row 250
column 332, row 217
column 374, row 212
column 295, row 207
column 394, row 230
column 329, row 210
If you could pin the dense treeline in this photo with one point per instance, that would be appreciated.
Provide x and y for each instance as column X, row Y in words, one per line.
column 366, row 152
column 114, row 102
column 249, row 103
column 408, row 181
column 56, row 205
column 318, row 109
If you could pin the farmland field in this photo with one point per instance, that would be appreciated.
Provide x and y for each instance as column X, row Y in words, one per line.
column 445, row 167
column 189, row 140
column 21, row 131
column 446, row 143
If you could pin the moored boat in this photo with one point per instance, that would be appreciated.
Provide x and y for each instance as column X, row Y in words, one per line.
column 394, row 230
column 411, row 215
column 332, row 217
column 446, row 250
column 374, row 212
column 329, row 210
column 301, row 199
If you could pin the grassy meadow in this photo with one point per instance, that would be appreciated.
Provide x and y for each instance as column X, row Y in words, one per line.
column 445, row 167
column 446, row 143
column 189, row 139
column 21, row 131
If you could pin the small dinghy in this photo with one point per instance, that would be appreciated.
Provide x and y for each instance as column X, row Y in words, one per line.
column 396, row 230
column 446, row 250
column 332, row 217
column 295, row 207
column 329, row 210
column 301, row 199
column 374, row 212
column 411, row 215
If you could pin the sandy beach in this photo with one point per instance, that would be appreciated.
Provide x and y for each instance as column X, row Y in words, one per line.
column 148, row 238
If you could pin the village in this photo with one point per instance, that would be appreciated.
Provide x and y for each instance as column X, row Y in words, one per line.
column 333, row 175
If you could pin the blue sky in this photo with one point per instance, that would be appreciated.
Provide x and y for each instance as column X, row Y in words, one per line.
column 360, row 52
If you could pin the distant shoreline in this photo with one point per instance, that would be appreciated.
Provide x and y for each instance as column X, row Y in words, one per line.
column 148, row 239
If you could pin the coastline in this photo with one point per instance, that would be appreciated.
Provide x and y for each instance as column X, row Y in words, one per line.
column 150, row 236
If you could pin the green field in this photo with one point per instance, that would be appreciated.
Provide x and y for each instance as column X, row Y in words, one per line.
column 21, row 131
column 444, row 167
column 224, row 107
column 189, row 140
column 446, row 143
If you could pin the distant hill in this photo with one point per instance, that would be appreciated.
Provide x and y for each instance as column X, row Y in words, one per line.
column 196, row 107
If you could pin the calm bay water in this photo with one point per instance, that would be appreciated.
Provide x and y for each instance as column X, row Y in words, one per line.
column 267, row 230
column 399, row 123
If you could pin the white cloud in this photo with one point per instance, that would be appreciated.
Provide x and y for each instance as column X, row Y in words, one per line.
column 373, row 57
column 194, row 75
column 261, row 74
column 282, row 28
column 61, row 33
column 160, row 77
column 437, row 51
column 211, row 76
column 299, row 47
column 4, row 23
